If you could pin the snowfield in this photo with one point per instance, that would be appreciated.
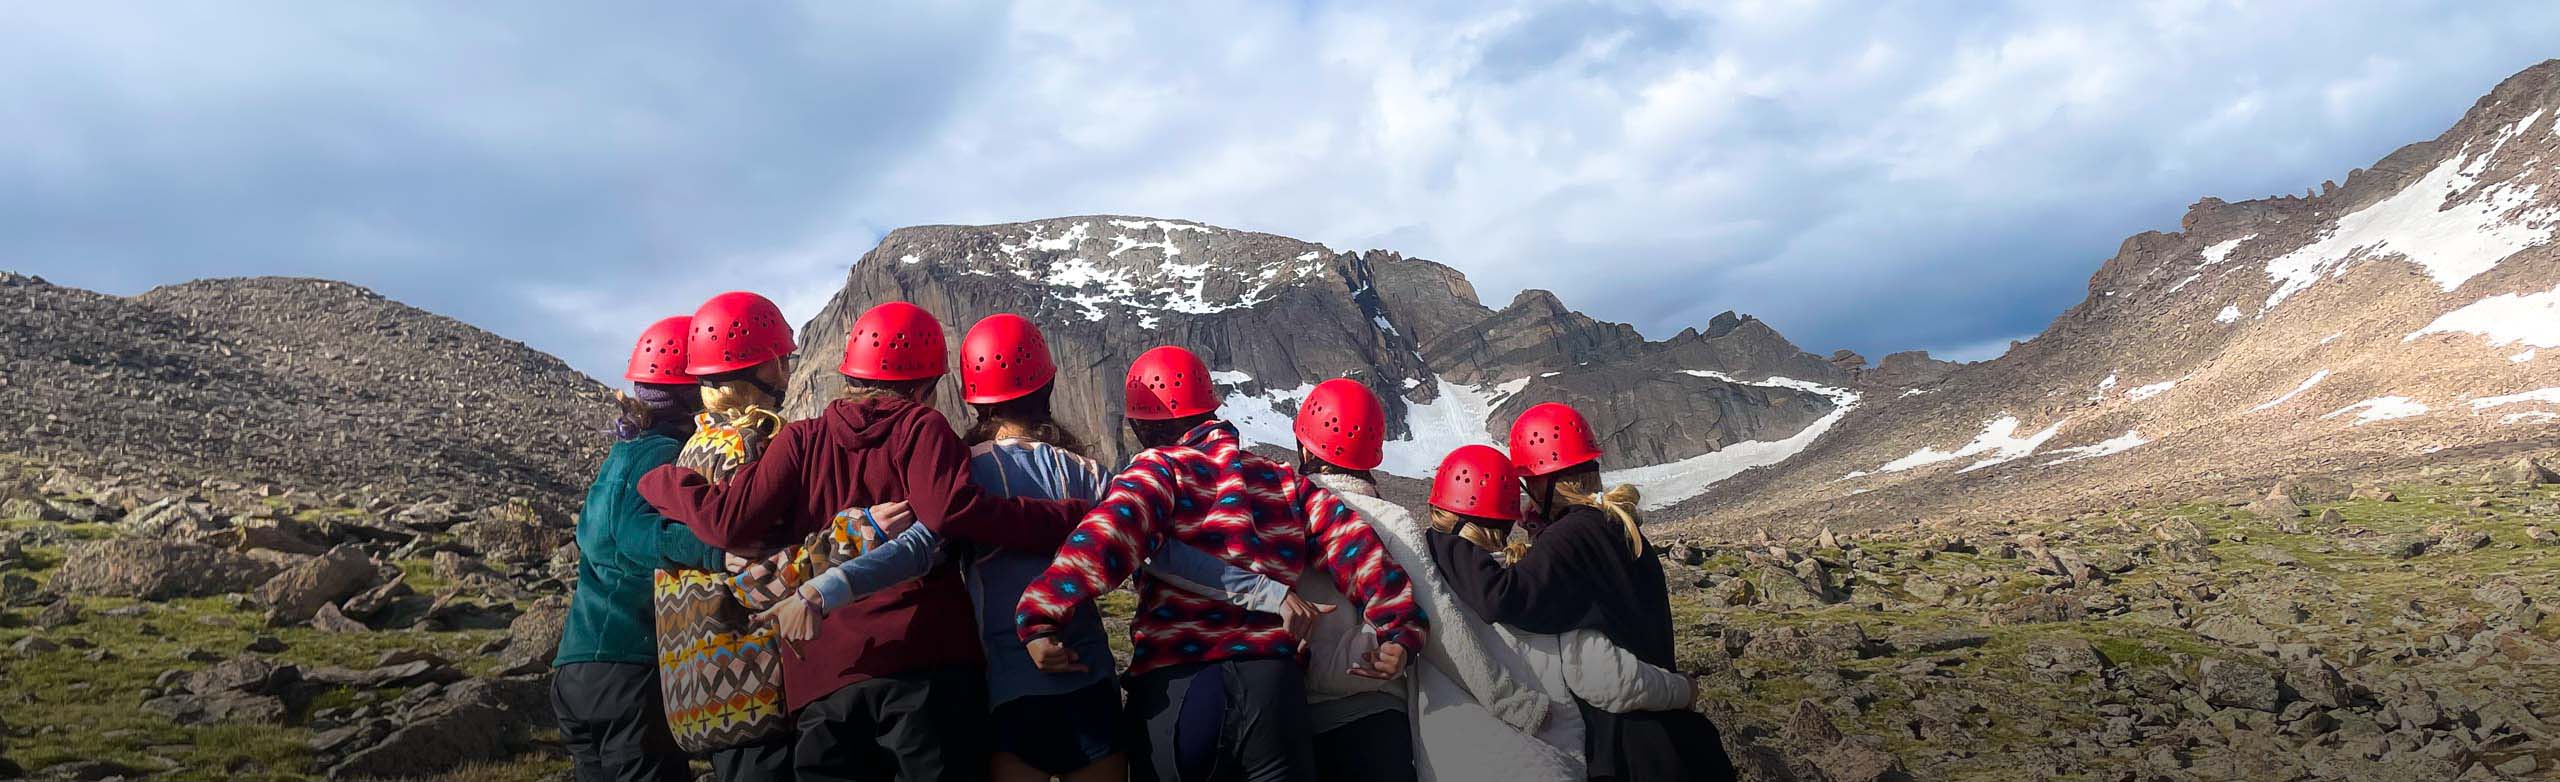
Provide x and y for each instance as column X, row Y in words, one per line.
column 2316, row 377
column 1999, row 440
column 2451, row 243
column 2547, row 395
column 2382, row 408
column 2113, row 445
column 2505, row 319
column 1462, row 414
column 2219, row 252
column 2140, row 393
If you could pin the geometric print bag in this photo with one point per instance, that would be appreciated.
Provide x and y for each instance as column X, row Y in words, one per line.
column 720, row 673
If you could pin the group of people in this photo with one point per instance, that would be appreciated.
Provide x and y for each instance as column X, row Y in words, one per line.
column 1290, row 624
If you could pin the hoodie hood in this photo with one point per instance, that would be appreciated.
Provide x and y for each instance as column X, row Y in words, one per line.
column 866, row 423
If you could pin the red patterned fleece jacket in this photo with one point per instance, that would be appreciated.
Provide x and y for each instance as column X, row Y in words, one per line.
column 1211, row 494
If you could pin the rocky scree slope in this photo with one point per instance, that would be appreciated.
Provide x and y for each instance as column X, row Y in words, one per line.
column 315, row 384
column 2393, row 321
column 1273, row 316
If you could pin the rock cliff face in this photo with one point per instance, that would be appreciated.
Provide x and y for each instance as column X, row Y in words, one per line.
column 1276, row 315
column 309, row 383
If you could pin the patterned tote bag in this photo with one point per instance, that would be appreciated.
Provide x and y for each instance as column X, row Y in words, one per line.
column 720, row 673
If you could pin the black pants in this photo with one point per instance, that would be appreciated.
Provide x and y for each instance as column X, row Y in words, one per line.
column 914, row 727
column 1375, row 748
column 1227, row 721
column 766, row 761
column 614, row 723
column 1654, row 746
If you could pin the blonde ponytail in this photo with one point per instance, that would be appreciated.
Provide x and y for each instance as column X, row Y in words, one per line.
column 1490, row 539
column 1619, row 502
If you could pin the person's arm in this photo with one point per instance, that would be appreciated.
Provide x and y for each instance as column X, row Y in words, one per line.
column 1104, row 549
column 1611, row 679
column 1361, row 568
column 650, row 541
column 1536, row 594
column 740, row 515
column 1200, row 573
column 947, row 502
column 906, row 557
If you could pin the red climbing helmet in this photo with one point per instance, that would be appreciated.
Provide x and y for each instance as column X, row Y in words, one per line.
column 1003, row 357
column 1551, row 437
column 1342, row 423
column 894, row 341
column 1166, row 383
column 734, row 331
column 659, row 356
column 1477, row 480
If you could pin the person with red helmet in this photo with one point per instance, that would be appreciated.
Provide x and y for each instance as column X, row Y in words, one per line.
column 1044, row 725
column 604, row 684
column 892, row 683
column 1476, row 492
column 1588, row 566
column 1199, row 667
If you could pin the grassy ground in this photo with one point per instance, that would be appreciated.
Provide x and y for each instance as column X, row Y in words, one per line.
column 89, row 709
column 2350, row 592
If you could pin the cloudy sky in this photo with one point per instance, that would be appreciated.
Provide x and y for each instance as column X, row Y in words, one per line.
column 1877, row 177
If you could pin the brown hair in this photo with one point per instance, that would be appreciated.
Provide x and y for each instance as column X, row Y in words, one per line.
column 860, row 389
column 1027, row 414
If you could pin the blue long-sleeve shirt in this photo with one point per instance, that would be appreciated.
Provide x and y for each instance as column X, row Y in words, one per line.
column 996, row 576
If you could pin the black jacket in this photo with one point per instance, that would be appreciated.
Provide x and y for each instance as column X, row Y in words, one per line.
column 1581, row 574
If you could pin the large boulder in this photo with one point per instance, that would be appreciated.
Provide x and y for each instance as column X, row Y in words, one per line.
column 2524, row 471
column 156, row 570
column 2239, row 685
column 295, row 595
column 433, row 740
column 511, row 540
column 534, row 636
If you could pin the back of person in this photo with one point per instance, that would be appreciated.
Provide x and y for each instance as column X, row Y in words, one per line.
column 1024, row 468
column 1641, row 623
column 610, row 618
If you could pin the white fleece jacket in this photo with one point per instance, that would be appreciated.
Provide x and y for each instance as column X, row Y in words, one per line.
column 1469, row 699
column 1487, row 701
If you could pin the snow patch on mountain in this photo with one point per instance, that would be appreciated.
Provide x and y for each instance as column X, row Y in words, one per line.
column 1672, row 482
column 2505, row 319
column 2218, row 252
column 2139, row 393
column 2383, row 408
column 2529, row 417
column 1999, row 439
column 2315, row 379
column 2113, row 445
column 2228, row 314
column 2451, row 242
column 2549, row 395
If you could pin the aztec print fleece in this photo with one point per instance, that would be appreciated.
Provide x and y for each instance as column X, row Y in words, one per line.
column 1209, row 493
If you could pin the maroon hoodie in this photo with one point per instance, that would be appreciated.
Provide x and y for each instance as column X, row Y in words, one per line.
column 858, row 454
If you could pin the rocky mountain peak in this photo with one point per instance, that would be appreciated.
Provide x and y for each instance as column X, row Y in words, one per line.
column 1275, row 315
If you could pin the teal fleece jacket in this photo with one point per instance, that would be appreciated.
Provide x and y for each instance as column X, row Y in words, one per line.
column 622, row 541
